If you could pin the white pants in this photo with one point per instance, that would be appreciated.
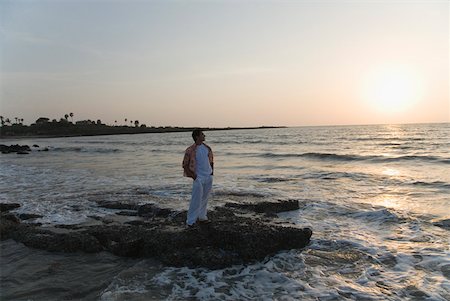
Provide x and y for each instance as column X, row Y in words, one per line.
column 199, row 200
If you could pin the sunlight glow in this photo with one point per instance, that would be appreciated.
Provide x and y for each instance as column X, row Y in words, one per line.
column 391, row 172
column 392, row 89
column 389, row 202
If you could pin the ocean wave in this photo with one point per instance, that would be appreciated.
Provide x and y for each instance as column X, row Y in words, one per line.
column 434, row 184
column 357, row 176
column 78, row 149
column 443, row 223
column 353, row 157
column 359, row 211
column 388, row 139
column 112, row 142
column 240, row 193
column 272, row 179
column 433, row 159
column 380, row 215
column 390, row 144
column 322, row 156
column 326, row 175
column 246, row 142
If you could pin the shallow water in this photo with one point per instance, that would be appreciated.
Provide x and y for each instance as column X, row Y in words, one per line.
column 371, row 194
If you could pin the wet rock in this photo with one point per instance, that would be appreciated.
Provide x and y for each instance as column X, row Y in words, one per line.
column 4, row 207
column 8, row 224
column 151, row 210
column 225, row 242
column 127, row 213
column 127, row 248
column 10, row 217
column 229, row 239
column 270, row 208
column 19, row 149
column 59, row 242
column 118, row 205
column 35, row 145
column 70, row 227
column 27, row 216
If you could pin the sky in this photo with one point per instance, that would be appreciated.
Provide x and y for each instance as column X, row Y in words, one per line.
column 226, row 63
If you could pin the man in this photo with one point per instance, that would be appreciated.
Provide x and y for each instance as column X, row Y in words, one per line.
column 198, row 164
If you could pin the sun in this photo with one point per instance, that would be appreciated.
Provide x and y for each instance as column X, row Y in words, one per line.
column 392, row 89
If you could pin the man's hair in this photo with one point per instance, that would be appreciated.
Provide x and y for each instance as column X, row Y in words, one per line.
column 196, row 133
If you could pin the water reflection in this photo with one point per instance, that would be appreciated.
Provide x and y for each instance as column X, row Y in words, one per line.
column 391, row 172
column 389, row 202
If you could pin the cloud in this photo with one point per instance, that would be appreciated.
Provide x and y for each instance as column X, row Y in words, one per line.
column 231, row 72
column 26, row 37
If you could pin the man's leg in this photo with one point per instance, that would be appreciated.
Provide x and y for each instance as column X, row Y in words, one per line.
column 194, row 206
column 207, row 185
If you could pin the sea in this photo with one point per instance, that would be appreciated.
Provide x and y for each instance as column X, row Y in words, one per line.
column 377, row 198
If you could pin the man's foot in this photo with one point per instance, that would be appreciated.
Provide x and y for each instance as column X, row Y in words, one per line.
column 190, row 226
column 204, row 221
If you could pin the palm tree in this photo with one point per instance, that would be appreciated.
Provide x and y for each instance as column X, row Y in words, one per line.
column 7, row 121
column 17, row 120
column 2, row 120
column 115, row 122
column 66, row 116
column 126, row 121
column 131, row 122
column 71, row 116
column 136, row 123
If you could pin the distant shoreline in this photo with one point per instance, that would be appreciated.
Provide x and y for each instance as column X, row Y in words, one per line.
column 129, row 131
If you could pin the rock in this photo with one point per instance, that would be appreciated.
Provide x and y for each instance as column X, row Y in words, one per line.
column 27, row 216
column 8, row 225
column 118, row 205
column 11, row 217
column 269, row 208
column 35, row 145
column 5, row 207
column 59, row 242
column 151, row 210
column 225, row 242
column 229, row 239
column 20, row 149
column 127, row 213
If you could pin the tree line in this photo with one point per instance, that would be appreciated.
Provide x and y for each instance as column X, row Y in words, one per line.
column 66, row 126
column 5, row 121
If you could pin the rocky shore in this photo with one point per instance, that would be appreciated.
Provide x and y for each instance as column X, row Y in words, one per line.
column 18, row 149
column 238, row 233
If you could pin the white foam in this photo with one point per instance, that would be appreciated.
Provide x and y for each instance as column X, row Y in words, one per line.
column 121, row 292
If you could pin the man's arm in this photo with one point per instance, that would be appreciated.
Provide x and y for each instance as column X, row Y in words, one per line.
column 187, row 171
column 211, row 159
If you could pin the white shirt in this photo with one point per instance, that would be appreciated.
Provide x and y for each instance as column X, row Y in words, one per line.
column 203, row 168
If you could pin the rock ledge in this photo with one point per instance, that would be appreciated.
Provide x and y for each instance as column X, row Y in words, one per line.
column 233, row 236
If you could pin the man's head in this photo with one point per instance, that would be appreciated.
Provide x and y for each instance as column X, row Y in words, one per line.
column 198, row 136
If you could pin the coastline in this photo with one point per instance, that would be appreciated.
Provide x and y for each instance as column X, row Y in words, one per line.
column 130, row 131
